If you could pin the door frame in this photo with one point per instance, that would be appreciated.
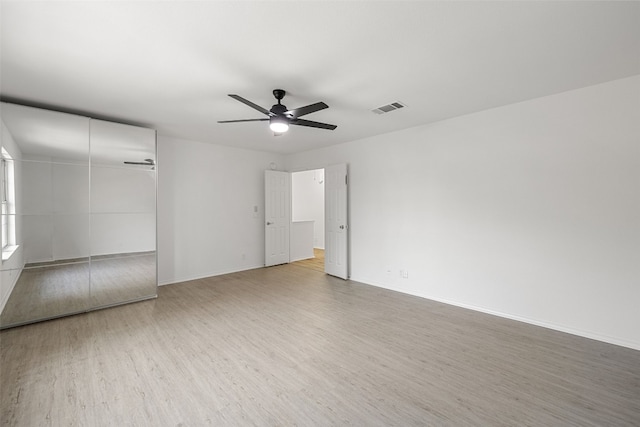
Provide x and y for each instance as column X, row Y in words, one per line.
column 348, row 212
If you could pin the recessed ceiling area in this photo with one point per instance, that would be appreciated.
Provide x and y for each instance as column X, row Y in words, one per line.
column 170, row 65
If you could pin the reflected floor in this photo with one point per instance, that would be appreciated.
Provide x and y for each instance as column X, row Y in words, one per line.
column 49, row 291
column 44, row 290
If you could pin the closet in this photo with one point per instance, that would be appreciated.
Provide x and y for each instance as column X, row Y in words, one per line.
column 78, row 214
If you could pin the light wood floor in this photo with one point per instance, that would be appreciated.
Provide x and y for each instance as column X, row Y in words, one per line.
column 316, row 263
column 290, row 346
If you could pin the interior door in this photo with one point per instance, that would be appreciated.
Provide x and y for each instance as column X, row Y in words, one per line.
column 277, row 213
column 336, row 214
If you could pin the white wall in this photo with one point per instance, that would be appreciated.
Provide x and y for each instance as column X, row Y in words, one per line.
column 72, row 212
column 56, row 211
column 123, row 206
column 301, row 241
column 307, row 200
column 206, row 220
column 530, row 211
column 12, row 268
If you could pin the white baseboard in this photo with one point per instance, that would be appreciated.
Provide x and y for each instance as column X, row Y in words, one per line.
column 548, row 325
column 302, row 259
column 176, row 280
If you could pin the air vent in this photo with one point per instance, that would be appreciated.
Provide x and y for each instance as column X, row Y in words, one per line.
column 388, row 108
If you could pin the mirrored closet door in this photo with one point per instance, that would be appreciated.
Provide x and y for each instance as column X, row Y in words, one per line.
column 78, row 214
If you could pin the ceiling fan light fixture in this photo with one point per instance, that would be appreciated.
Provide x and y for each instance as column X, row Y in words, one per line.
column 278, row 124
column 280, row 118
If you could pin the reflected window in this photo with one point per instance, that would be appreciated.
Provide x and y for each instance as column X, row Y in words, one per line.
column 8, row 206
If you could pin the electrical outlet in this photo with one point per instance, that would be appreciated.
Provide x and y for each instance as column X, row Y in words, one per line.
column 404, row 274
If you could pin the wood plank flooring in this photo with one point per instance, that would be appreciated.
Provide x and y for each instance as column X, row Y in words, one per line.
column 290, row 346
column 315, row 263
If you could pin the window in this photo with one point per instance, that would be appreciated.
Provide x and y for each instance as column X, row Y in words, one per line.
column 8, row 206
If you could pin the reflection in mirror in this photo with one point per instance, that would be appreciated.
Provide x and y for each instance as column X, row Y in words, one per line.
column 47, row 274
column 78, row 225
column 48, row 290
column 123, row 213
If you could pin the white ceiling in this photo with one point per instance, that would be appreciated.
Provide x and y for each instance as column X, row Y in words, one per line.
column 170, row 65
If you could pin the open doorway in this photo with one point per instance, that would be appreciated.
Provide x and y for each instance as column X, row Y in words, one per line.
column 308, row 219
column 281, row 247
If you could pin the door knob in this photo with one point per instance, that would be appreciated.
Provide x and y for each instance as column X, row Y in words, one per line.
column 269, row 223
column 342, row 227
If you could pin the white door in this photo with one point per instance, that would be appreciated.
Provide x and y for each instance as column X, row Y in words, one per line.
column 335, row 211
column 277, row 215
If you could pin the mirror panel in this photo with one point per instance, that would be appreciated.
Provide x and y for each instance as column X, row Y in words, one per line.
column 54, row 188
column 123, row 189
column 55, row 238
column 71, row 235
column 112, row 144
column 48, row 290
column 122, row 278
column 37, row 241
column 70, row 188
column 123, row 213
column 46, row 267
column 116, row 234
column 79, row 228
column 48, row 136
column 37, row 188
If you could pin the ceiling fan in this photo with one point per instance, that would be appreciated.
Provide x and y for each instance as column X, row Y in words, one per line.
column 280, row 117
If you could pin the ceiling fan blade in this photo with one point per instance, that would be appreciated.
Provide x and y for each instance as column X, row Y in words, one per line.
column 243, row 120
column 250, row 104
column 139, row 163
column 311, row 124
column 307, row 109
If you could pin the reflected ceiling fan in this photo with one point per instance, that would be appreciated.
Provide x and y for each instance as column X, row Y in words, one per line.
column 280, row 118
column 147, row 162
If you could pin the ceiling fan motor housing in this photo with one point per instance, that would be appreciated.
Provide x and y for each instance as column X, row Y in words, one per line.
column 279, row 94
column 279, row 109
